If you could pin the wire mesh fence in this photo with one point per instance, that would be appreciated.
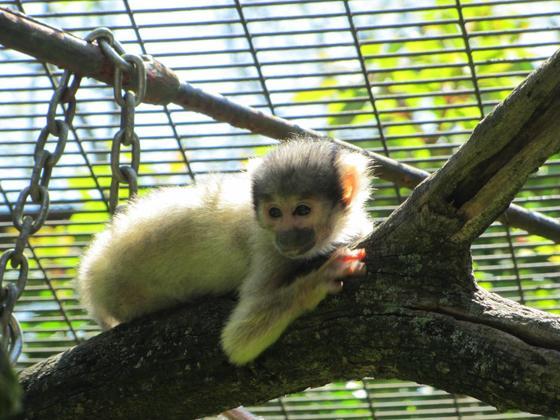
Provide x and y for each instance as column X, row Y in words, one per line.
column 408, row 79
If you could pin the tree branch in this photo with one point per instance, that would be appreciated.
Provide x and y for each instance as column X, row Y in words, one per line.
column 170, row 365
column 55, row 46
column 482, row 178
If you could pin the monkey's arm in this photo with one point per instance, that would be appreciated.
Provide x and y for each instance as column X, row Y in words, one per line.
column 263, row 314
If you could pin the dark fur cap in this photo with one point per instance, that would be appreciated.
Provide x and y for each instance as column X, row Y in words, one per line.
column 299, row 167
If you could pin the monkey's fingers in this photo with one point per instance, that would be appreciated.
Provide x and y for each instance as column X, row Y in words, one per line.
column 355, row 268
column 340, row 269
column 353, row 255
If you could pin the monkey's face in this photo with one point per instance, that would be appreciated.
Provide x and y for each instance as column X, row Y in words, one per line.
column 299, row 225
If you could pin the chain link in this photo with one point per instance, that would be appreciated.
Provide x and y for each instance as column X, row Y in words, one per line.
column 133, row 66
column 28, row 222
column 36, row 193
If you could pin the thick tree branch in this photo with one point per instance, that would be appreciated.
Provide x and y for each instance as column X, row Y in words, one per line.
column 530, row 325
column 482, row 178
column 170, row 365
column 55, row 46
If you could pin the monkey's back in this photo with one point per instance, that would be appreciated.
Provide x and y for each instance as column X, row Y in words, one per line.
column 167, row 247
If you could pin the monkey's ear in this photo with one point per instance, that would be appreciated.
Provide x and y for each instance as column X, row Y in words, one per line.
column 349, row 183
column 354, row 178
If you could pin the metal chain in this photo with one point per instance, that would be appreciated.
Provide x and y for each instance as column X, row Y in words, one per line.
column 133, row 65
column 37, row 193
column 29, row 222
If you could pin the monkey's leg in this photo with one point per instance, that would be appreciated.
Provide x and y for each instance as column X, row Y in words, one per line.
column 262, row 315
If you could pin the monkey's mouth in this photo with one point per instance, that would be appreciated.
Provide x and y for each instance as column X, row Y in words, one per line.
column 294, row 243
column 295, row 252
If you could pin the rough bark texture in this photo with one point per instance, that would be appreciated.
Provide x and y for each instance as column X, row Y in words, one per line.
column 169, row 365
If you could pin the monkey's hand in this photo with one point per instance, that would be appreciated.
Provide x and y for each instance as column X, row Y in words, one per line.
column 328, row 279
column 342, row 263
column 260, row 318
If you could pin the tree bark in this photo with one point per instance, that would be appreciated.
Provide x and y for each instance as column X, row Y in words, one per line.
column 418, row 315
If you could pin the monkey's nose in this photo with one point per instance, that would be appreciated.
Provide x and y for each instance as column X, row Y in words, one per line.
column 295, row 241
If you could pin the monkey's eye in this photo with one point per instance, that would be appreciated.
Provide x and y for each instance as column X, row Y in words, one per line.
column 274, row 212
column 302, row 210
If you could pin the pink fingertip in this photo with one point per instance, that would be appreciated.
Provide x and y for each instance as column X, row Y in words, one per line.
column 358, row 254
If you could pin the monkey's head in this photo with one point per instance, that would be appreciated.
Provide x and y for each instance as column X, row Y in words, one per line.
column 308, row 194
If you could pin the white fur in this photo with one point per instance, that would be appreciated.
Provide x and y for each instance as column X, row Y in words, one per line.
column 150, row 256
column 178, row 243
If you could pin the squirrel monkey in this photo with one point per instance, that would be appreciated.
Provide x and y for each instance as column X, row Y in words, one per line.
column 251, row 233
